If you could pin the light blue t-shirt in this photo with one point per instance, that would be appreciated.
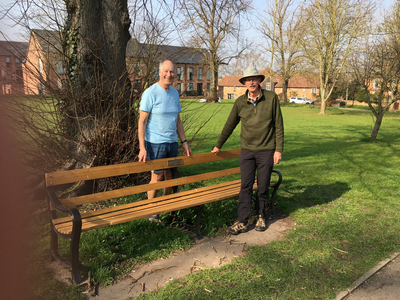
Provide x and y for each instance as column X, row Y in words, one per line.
column 163, row 107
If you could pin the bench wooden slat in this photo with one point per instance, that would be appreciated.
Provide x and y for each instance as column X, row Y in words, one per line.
column 75, row 222
column 58, row 178
column 156, row 200
column 70, row 202
column 157, row 208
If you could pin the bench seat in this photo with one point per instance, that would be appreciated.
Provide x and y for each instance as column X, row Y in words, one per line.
column 76, row 221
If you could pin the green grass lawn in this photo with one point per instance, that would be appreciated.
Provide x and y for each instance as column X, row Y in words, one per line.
column 341, row 189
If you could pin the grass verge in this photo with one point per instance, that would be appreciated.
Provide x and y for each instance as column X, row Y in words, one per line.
column 340, row 187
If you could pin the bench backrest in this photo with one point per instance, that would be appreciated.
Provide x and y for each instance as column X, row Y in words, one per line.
column 64, row 177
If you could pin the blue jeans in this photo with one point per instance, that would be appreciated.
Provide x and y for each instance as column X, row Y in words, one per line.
column 163, row 150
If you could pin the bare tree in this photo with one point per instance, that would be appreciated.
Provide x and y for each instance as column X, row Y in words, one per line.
column 379, row 66
column 86, row 112
column 332, row 28
column 250, row 57
column 283, row 30
column 212, row 24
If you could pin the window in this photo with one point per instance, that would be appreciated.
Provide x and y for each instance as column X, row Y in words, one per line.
column 208, row 86
column 178, row 73
column 200, row 74
column 231, row 96
column 19, row 75
column 40, row 66
column 314, row 90
column 178, row 88
column 376, row 84
column 156, row 74
column 8, row 62
column 268, row 86
column 190, row 86
column 18, row 63
column 190, row 73
column 208, row 74
column 136, row 68
column 138, row 84
column 60, row 69
column 304, row 89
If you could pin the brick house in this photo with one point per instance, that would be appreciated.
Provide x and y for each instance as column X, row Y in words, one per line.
column 192, row 73
column 231, row 88
column 12, row 58
column 44, row 65
column 301, row 86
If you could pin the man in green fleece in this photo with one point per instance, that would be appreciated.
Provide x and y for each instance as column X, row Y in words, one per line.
column 261, row 143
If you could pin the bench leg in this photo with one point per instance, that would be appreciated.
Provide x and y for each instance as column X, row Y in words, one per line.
column 74, row 252
column 198, row 221
column 275, row 190
column 54, row 255
column 271, row 203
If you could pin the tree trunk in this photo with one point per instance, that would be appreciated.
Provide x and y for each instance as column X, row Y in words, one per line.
column 323, row 101
column 99, row 113
column 95, row 39
column 96, row 36
column 213, row 96
column 285, row 84
column 377, row 125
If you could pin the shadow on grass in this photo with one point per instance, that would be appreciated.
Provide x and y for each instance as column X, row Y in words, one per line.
column 293, row 197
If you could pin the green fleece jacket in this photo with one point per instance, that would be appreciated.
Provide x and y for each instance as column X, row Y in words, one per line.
column 262, row 124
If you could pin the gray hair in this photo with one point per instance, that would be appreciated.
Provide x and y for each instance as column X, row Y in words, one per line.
column 162, row 62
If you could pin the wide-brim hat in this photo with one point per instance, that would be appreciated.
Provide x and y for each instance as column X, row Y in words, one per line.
column 251, row 72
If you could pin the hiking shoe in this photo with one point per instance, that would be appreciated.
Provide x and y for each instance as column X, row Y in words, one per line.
column 155, row 219
column 260, row 226
column 237, row 228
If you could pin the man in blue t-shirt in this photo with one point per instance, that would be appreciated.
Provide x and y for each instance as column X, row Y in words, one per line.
column 160, row 125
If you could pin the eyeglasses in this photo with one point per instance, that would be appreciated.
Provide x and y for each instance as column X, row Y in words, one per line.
column 254, row 79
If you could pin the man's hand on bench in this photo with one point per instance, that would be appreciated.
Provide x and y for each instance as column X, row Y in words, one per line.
column 186, row 149
column 215, row 150
column 142, row 155
column 277, row 157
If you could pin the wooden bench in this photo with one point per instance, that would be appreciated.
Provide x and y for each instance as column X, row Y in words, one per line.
column 75, row 222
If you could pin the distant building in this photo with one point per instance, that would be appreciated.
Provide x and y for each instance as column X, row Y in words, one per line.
column 231, row 88
column 192, row 73
column 44, row 64
column 12, row 58
column 301, row 86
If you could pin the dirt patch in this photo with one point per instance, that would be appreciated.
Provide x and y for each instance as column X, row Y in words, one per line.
column 206, row 253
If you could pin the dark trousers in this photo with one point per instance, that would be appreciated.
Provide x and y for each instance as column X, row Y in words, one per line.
column 250, row 161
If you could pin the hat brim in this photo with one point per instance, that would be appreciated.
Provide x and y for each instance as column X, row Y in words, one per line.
column 241, row 80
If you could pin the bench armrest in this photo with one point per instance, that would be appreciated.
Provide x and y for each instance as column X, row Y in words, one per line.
column 55, row 202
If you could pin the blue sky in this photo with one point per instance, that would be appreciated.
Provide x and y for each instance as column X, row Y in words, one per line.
column 17, row 33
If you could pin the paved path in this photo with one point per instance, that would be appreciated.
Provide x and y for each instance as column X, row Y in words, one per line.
column 380, row 283
column 357, row 109
column 207, row 253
